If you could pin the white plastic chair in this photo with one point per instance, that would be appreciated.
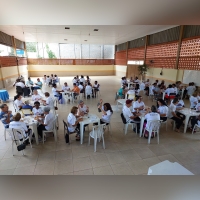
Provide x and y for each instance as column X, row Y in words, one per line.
column 88, row 93
column 54, row 130
column 15, row 138
column 97, row 133
column 67, row 96
column 153, row 127
column 195, row 126
column 15, row 107
column 142, row 87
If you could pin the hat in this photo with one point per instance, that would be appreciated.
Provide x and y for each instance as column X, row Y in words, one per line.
column 80, row 101
column 129, row 101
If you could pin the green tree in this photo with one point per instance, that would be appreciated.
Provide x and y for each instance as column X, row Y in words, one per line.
column 50, row 53
column 31, row 46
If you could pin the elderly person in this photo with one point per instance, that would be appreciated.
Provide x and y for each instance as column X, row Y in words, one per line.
column 29, row 82
column 49, row 101
column 36, row 96
column 27, row 105
column 76, row 90
column 107, row 112
column 73, row 122
column 82, row 108
column 6, row 115
column 18, row 102
column 57, row 93
column 131, row 117
column 47, row 125
column 17, row 124
column 138, row 104
column 37, row 110
column 65, row 87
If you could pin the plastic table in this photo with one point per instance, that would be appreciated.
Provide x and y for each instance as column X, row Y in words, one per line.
column 4, row 96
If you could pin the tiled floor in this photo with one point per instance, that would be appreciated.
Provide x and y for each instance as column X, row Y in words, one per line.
column 124, row 155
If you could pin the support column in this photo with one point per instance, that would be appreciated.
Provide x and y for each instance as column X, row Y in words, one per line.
column 145, row 47
column 14, row 47
column 127, row 58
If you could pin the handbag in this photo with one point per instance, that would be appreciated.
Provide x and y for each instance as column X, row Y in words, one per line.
column 21, row 146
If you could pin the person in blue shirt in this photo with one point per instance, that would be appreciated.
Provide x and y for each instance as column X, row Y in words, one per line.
column 5, row 116
column 29, row 82
column 39, row 85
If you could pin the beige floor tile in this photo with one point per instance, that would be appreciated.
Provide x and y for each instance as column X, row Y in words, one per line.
column 145, row 152
column 106, row 170
column 84, row 172
column 9, row 163
column 82, row 163
column 151, row 161
column 169, row 157
column 63, row 154
column 158, row 150
column 99, row 160
column 115, row 158
column 138, row 167
column 80, row 152
column 122, row 169
column 62, row 146
column 7, row 172
column 46, row 158
column 26, row 161
column 46, row 169
column 130, row 155
column 29, row 170
column 62, row 167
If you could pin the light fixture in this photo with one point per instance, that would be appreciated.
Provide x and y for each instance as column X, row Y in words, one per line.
column 65, row 39
column 96, row 29
column 85, row 40
column 67, row 28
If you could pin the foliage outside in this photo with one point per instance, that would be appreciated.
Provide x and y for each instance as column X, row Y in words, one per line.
column 143, row 69
column 50, row 53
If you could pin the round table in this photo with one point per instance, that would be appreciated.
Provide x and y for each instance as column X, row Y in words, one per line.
column 4, row 95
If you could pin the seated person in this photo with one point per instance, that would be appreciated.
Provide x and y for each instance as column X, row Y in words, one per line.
column 65, row 87
column 147, row 84
column 82, row 108
column 193, row 100
column 27, row 105
column 195, row 120
column 131, row 94
column 17, row 124
column 81, row 87
column 18, row 102
column 38, row 85
column 88, row 90
column 162, row 109
column 149, row 116
column 6, row 115
column 48, row 122
column 74, row 80
column 82, row 80
column 121, row 92
column 138, row 104
column 57, row 93
column 107, row 112
column 131, row 79
column 19, row 83
column 76, row 90
column 56, row 79
column 49, row 81
column 169, row 91
column 131, row 117
column 49, row 101
column 137, row 90
column 73, row 122
column 197, row 107
column 96, row 87
column 44, row 79
column 137, row 80
column 29, row 82
column 88, row 79
column 36, row 96
column 37, row 110
column 172, row 114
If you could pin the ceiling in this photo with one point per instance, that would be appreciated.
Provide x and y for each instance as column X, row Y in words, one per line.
column 118, row 21
column 113, row 34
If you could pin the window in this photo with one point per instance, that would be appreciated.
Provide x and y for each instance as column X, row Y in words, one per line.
column 67, row 51
column 135, row 62
column 31, row 48
column 51, row 50
column 108, row 51
column 6, row 50
column 20, row 53
column 95, row 51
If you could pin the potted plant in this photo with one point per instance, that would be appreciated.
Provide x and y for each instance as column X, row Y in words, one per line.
column 142, row 69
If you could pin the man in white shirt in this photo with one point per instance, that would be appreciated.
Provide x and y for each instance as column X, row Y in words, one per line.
column 49, row 101
column 65, row 87
column 37, row 110
column 172, row 114
column 82, row 80
column 48, row 121
column 18, row 102
column 129, row 116
column 35, row 96
column 81, row 87
column 20, row 84
column 82, row 108
column 138, row 104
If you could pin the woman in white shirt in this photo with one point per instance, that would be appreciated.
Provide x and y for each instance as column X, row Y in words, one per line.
column 35, row 96
column 138, row 104
column 48, row 122
column 88, row 90
column 96, row 87
column 18, row 102
column 49, row 101
column 73, row 122
column 37, row 110
column 151, row 115
column 172, row 114
column 107, row 112
column 88, row 79
column 193, row 100
column 162, row 109
column 81, row 87
column 17, row 124
column 82, row 79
